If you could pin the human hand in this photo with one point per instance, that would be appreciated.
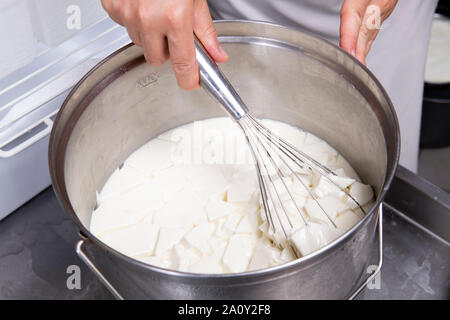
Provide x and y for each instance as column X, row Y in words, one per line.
column 165, row 29
column 360, row 22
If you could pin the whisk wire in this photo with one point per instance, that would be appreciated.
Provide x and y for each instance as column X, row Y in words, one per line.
column 281, row 176
column 290, row 151
column 261, row 181
column 311, row 194
column 264, row 194
column 265, row 176
column 275, row 147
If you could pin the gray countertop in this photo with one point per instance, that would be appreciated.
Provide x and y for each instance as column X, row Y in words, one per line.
column 37, row 244
column 37, row 247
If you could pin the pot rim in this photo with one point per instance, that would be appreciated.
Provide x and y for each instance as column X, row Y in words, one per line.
column 61, row 192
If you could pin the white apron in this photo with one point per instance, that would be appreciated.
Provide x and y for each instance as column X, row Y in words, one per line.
column 397, row 57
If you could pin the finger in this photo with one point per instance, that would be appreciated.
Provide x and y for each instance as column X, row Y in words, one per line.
column 110, row 8
column 128, row 15
column 368, row 31
column 206, row 32
column 134, row 35
column 182, row 53
column 375, row 14
column 352, row 13
column 365, row 40
column 155, row 48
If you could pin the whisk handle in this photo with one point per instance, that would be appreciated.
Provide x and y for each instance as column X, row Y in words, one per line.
column 214, row 81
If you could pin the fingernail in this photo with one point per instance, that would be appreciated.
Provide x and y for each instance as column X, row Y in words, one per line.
column 353, row 52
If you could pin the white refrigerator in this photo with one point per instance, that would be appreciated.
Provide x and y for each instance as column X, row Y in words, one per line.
column 46, row 48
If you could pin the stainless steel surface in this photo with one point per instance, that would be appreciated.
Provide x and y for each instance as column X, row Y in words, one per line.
column 37, row 246
column 434, row 214
column 415, row 261
column 124, row 102
column 215, row 82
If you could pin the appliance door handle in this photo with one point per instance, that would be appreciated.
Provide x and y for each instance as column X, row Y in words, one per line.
column 27, row 143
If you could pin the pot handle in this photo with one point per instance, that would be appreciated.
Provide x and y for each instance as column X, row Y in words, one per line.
column 380, row 255
column 83, row 256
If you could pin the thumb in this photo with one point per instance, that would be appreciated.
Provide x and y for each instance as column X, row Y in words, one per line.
column 206, row 32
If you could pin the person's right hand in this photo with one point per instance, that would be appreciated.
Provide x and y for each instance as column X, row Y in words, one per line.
column 165, row 28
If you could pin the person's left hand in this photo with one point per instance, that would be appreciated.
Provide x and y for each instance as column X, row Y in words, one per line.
column 360, row 23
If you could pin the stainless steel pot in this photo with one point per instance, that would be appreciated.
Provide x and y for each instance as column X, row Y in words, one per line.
column 282, row 74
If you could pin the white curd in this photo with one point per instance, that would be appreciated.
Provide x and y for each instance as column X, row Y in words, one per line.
column 189, row 200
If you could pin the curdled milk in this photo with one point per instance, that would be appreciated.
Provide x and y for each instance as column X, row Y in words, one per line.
column 189, row 200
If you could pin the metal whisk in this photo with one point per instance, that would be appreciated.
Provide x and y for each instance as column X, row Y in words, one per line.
column 275, row 158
